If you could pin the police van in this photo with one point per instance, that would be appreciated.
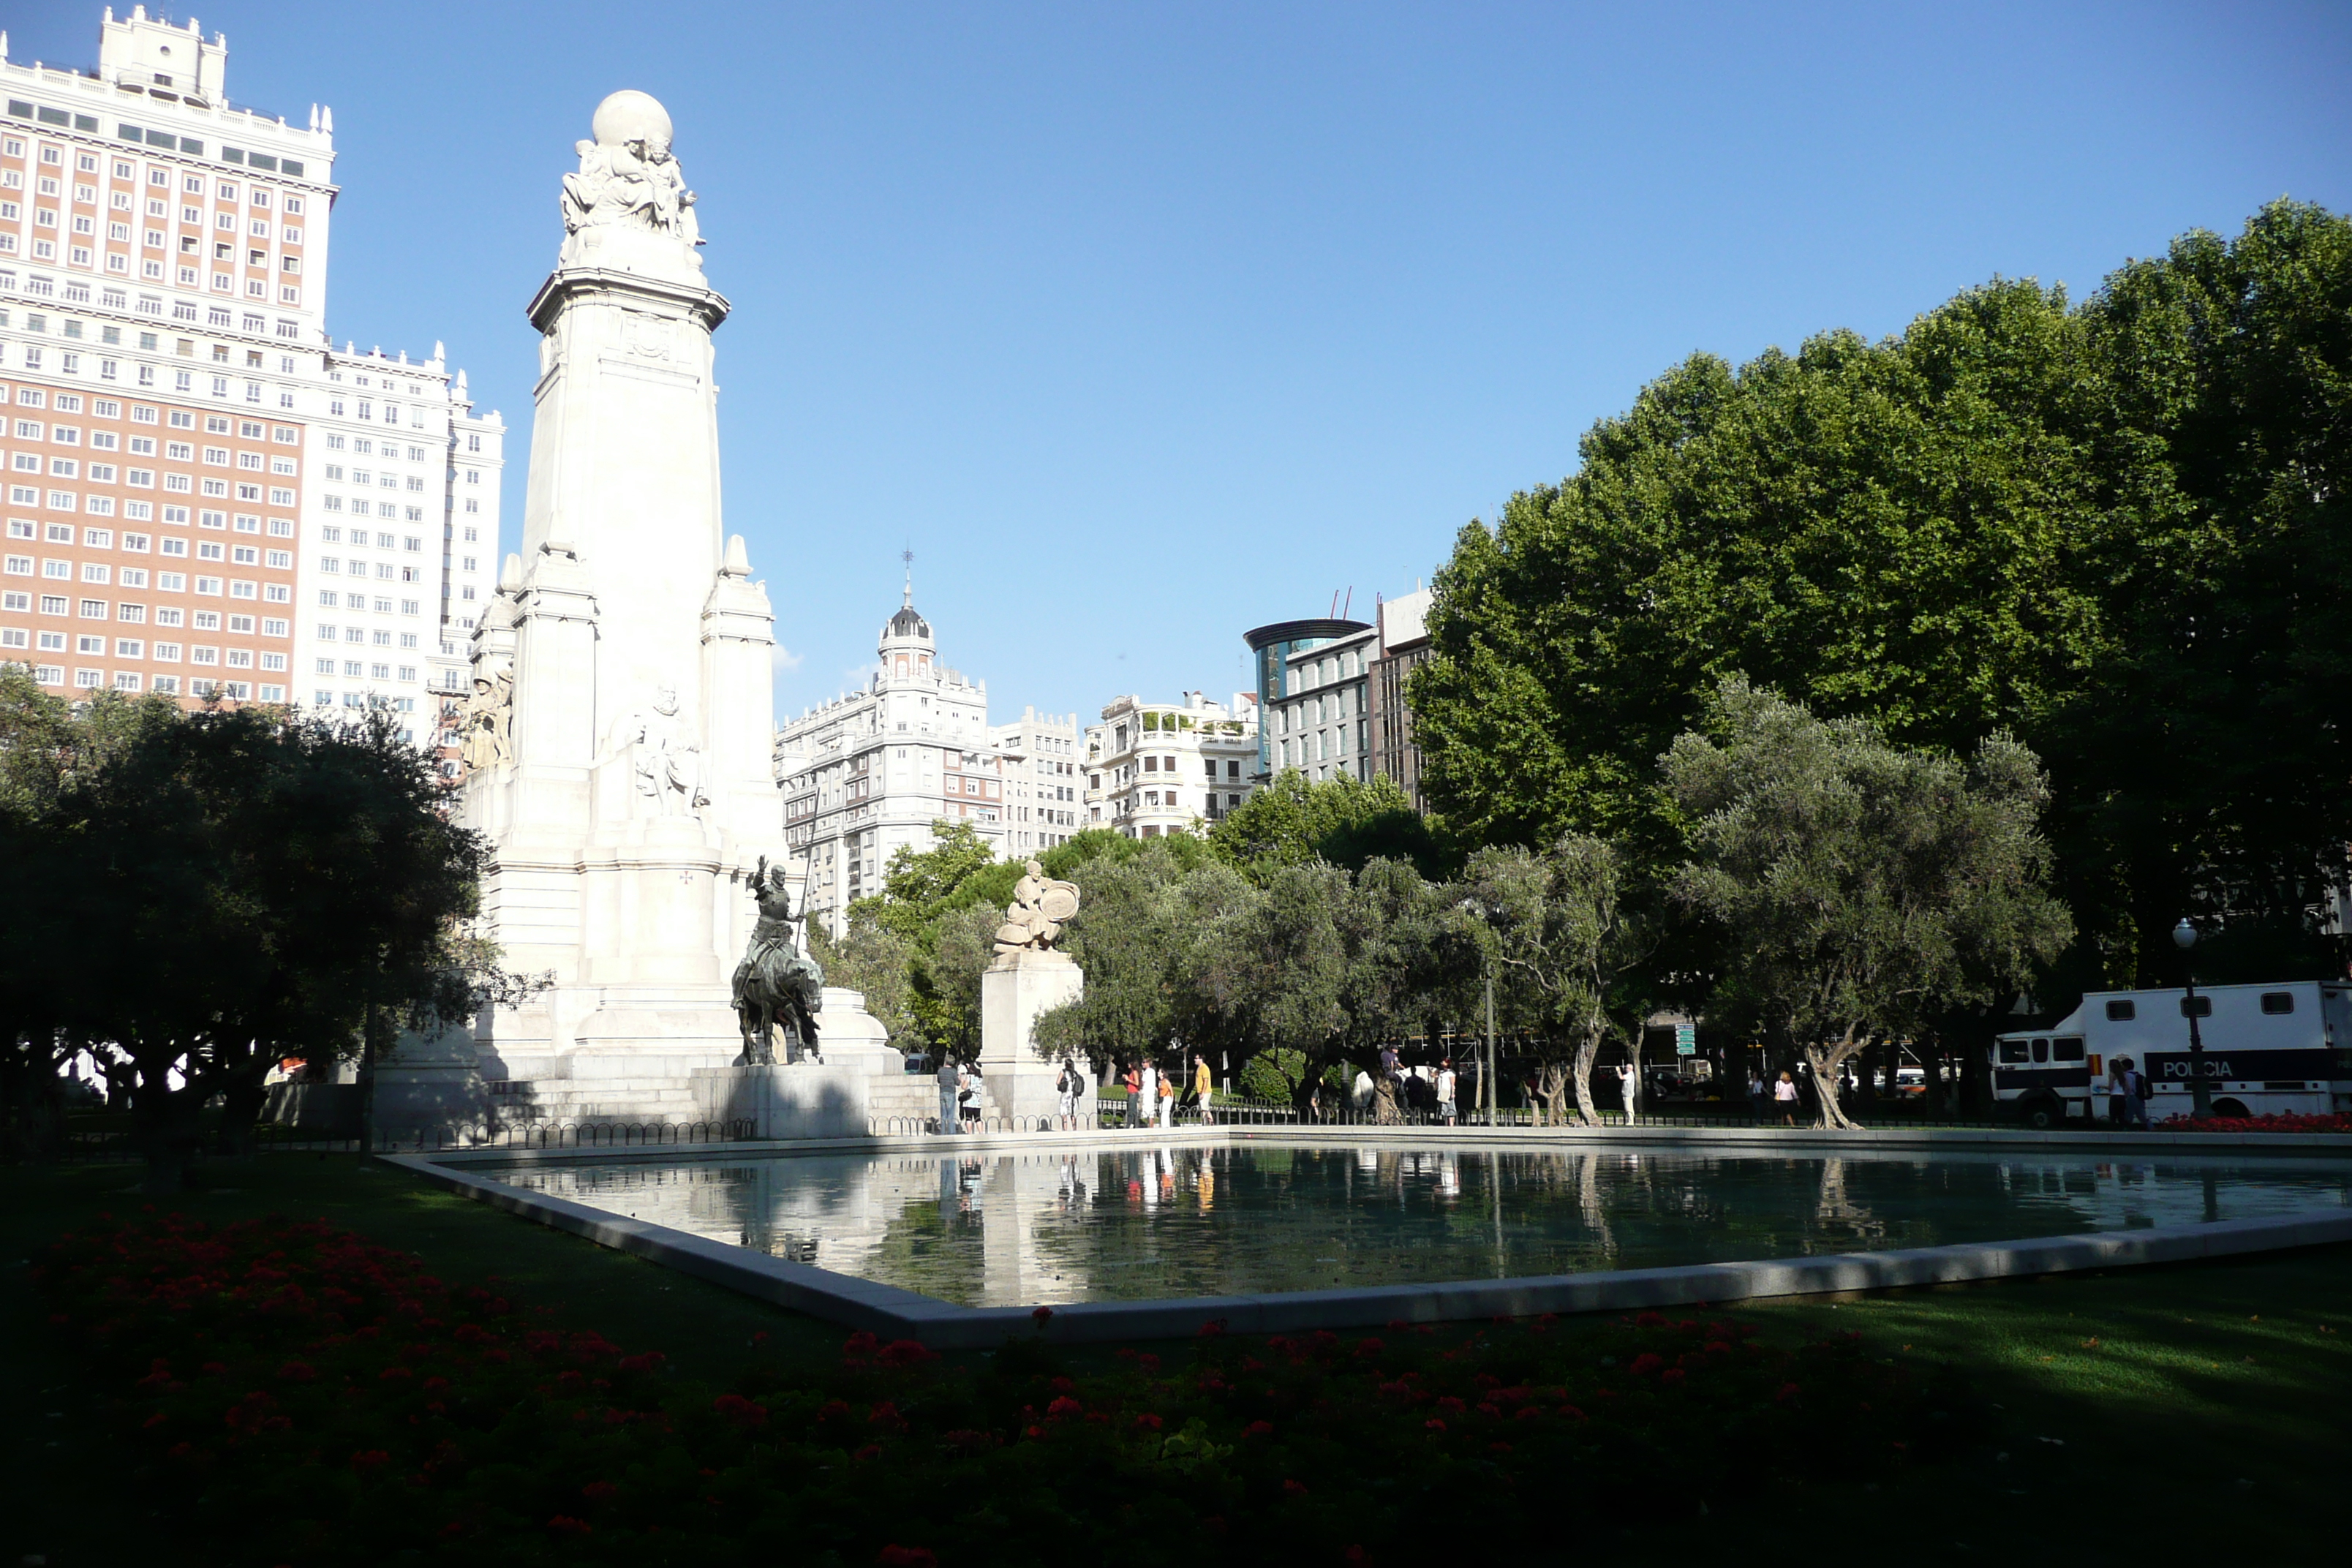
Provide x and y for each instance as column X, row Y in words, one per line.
column 2271, row 1050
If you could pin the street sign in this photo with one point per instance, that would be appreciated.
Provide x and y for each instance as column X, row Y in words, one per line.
column 1685, row 1039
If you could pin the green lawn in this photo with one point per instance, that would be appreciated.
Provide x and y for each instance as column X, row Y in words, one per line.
column 2196, row 1412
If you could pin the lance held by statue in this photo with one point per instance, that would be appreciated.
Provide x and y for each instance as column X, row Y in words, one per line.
column 777, row 983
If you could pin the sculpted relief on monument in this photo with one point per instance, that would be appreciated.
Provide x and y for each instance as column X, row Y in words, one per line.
column 1035, row 918
column 664, row 761
column 627, row 177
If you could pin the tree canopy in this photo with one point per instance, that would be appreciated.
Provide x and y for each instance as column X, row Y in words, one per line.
column 195, row 895
column 1863, row 887
column 2117, row 530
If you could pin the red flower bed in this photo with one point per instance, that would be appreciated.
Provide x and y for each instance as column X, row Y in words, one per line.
column 2334, row 1123
column 305, row 1397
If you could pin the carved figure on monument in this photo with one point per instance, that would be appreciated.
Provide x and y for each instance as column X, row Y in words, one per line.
column 667, row 765
column 776, row 982
column 1040, row 906
column 627, row 174
column 486, row 723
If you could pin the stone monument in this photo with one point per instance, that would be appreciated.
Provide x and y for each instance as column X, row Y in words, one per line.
column 1029, row 976
column 619, row 738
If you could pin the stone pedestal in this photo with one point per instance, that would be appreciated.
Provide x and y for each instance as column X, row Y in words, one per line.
column 430, row 1083
column 1014, row 992
column 806, row 1099
column 847, row 1036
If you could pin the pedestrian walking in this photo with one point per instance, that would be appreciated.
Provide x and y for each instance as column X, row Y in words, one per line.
column 1203, row 1086
column 1146, row 1089
column 1759, row 1094
column 1065, row 1092
column 1784, row 1097
column 1446, row 1084
column 1166, row 1101
column 2135, row 1094
column 1629, row 1087
column 951, row 1088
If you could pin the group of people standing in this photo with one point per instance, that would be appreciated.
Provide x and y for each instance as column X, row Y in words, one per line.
column 1152, row 1092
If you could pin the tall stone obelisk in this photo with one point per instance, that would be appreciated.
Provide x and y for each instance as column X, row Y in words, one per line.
column 635, row 790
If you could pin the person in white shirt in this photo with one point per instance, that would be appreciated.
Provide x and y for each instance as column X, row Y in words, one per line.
column 1445, row 1092
column 1629, row 1085
column 1784, row 1095
column 1146, row 1095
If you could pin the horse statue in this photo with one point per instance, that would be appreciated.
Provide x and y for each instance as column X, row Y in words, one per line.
column 776, row 982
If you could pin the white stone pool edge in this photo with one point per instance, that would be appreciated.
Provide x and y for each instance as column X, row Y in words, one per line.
column 894, row 1313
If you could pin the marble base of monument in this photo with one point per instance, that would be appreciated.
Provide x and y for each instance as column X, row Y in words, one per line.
column 805, row 1100
column 429, row 1084
column 1015, row 991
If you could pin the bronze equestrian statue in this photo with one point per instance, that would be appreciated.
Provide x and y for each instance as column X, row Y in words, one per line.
column 776, row 982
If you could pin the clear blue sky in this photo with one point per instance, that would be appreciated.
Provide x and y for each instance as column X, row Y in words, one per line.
column 1148, row 324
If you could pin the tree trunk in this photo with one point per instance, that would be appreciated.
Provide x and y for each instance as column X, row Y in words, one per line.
column 1555, row 1091
column 1827, row 1064
column 1587, row 1050
column 165, row 1121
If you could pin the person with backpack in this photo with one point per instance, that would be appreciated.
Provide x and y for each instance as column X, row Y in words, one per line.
column 1066, row 1090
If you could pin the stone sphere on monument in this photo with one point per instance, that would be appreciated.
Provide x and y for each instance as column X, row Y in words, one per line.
column 629, row 115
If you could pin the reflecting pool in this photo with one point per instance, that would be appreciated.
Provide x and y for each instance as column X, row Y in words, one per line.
column 1114, row 1223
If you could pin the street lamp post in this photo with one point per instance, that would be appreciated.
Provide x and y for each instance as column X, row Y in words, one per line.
column 1487, row 971
column 1490, row 1045
column 2200, row 1093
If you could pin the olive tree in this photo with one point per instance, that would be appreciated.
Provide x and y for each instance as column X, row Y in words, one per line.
column 1858, row 887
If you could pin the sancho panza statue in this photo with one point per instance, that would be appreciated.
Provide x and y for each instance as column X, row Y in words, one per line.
column 1040, row 905
column 776, row 982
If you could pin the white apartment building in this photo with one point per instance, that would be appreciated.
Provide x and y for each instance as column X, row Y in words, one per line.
column 180, row 437
column 400, row 521
column 872, row 770
column 1045, row 798
column 1153, row 769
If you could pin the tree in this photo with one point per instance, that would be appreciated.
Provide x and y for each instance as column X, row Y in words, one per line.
column 1129, row 936
column 1860, row 887
column 241, row 886
column 2116, row 530
column 1562, row 933
column 1347, row 822
column 875, row 962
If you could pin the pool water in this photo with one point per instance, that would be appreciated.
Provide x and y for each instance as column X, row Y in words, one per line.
column 1116, row 1223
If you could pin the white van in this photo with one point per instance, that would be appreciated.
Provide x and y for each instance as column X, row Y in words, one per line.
column 2273, row 1049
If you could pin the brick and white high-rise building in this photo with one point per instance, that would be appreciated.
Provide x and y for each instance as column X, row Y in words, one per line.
column 174, row 409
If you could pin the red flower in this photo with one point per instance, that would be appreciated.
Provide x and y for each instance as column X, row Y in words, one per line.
column 1671, row 1376
column 1258, row 1429
column 564, row 1524
column 1064, row 1407
column 1367, row 1346
column 1149, row 1423
column 871, row 1451
column 1042, row 1316
column 1292, row 1489
column 1210, row 1330
column 1789, row 1391
column 1434, row 1424
column 1646, row 1363
column 368, row 1458
column 598, row 1491
column 897, row 1556
column 297, row 1372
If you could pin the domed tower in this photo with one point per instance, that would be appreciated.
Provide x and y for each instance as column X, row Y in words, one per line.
column 907, row 649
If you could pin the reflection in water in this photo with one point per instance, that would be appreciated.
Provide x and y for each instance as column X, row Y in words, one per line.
column 1115, row 1223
